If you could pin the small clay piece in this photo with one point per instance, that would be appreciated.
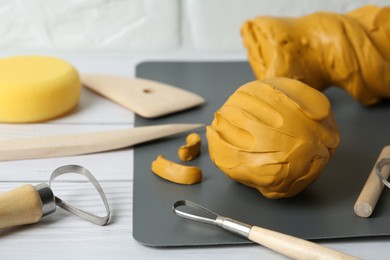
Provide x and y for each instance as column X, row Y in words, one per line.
column 175, row 172
column 274, row 135
column 325, row 49
column 191, row 149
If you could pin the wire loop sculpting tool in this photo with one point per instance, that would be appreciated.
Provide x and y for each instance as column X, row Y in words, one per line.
column 379, row 169
column 372, row 189
column 287, row 245
column 28, row 204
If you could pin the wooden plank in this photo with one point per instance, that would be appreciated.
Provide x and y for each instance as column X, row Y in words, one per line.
column 108, row 166
column 15, row 131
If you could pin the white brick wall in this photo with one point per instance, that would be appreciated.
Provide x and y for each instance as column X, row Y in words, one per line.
column 90, row 24
column 131, row 26
column 215, row 24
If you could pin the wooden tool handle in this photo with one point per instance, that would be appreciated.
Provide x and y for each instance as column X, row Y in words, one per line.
column 293, row 247
column 20, row 206
column 371, row 191
column 83, row 143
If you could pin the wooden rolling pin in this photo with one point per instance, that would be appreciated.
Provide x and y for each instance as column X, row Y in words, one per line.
column 372, row 190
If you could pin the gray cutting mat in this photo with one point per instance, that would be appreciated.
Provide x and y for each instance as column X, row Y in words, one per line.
column 323, row 211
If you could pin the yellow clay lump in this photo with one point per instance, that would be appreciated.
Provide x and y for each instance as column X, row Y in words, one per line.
column 275, row 135
column 322, row 49
column 36, row 88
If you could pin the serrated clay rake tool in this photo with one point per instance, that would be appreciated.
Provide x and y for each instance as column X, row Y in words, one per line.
column 287, row 245
column 27, row 204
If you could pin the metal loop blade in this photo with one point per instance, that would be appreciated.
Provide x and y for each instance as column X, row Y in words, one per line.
column 379, row 167
column 198, row 218
column 229, row 224
column 75, row 210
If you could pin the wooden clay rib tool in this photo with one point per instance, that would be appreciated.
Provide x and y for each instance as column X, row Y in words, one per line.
column 76, row 144
column 373, row 187
column 146, row 98
column 287, row 245
column 28, row 204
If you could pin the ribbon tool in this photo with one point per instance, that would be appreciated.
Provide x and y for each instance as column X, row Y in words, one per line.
column 287, row 245
column 372, row 189
column 27, row 204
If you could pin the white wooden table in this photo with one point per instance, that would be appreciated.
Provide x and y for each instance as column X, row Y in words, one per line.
column 64, row 236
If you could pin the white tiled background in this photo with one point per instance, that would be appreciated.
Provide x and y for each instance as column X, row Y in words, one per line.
column 142, row 26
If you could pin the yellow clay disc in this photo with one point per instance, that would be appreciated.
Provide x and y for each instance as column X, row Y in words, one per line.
column 36, row 88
